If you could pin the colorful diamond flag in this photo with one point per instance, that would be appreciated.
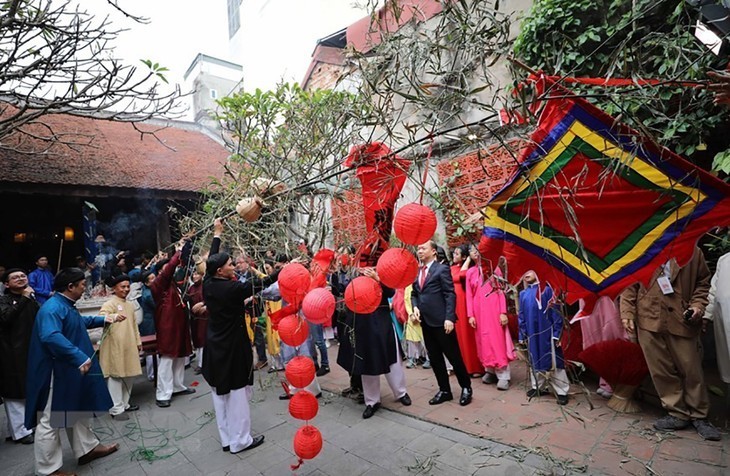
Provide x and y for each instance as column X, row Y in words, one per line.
column 595, row 206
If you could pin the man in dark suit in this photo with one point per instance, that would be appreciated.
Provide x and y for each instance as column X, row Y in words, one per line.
column 434, row 306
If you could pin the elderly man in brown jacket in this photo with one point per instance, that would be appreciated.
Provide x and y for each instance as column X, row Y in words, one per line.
column 667, row 318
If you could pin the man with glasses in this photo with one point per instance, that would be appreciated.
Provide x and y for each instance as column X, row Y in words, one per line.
column 18, row 309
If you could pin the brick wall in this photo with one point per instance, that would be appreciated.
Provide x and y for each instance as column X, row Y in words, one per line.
column 471, row 180
column 348, row 219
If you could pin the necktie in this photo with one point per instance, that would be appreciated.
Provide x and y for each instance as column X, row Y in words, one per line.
column 422, row 277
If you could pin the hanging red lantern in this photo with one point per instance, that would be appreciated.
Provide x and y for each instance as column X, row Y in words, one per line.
column 299, row 372
column 414, row 224
column 293, row 331
column 397, row 268
column 318, row 306
column 303, row 405
column 294, row 281
column 363, row 295
column 307, row 444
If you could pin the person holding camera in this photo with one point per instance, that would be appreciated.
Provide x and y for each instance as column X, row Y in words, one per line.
column 666, row 316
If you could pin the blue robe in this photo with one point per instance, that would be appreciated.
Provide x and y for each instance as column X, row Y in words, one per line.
column 540, row 325
column 41, row 280
column 147, row 303
column 59, row 345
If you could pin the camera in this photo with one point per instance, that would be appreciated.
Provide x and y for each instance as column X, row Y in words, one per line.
column 688, row 315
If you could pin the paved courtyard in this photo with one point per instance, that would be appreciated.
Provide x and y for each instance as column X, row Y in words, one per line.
column 500, row 433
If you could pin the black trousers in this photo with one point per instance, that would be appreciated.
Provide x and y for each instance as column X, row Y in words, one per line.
column 439, row 343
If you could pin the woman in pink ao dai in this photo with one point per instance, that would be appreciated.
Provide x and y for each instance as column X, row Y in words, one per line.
column 487, row 310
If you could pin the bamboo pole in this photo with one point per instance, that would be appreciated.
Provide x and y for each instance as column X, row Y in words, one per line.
column 60, row 255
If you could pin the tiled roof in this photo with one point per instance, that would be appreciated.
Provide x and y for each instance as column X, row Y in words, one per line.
column 114, row 154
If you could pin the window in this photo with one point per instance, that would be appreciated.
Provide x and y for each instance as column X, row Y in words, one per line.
column 213, row 94
column 234, row 17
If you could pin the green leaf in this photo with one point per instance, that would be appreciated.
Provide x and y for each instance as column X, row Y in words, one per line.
column 721, row 162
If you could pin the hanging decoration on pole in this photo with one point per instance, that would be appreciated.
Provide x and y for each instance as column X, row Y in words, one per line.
column 307, row 444
column 415, row 224
column 397, row 268
column 318, row 306
column 382, row 175
column 363, row 295
column 571, row 215
column 249, row 208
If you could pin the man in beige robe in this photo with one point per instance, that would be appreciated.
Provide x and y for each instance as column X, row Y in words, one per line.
column 119, row 348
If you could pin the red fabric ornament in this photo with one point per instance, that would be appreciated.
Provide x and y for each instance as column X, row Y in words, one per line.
column 307, row 444
column 397, row 268
column 382, row 175
column 303, row 405
column 299, row 372
column 318, row 306
column 294, row 281
column 414, row 224
column 363, row 295
column 622, row 365
column 293, row 331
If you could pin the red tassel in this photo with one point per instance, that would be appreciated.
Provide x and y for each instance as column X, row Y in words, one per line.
column 295, row 467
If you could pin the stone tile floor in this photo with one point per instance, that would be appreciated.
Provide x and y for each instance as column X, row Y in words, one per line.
column 583, row 436
column 500, row 433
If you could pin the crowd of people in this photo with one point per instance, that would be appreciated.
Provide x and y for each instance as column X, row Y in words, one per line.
column 214, row 308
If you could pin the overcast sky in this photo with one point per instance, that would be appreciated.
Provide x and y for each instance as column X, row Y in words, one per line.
column 285, row 33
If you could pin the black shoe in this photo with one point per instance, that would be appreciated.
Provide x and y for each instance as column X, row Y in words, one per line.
column 405, row 400
column 465, row 398
column 323, row 370
column 162, row 403
column 562, row 399
column 285, row 396
column 257, row 440
column 704, row 428
column 441, row 397
column 121, row 417
column 26, row 440
column 370, row 410
column 132, row 408
column 533, row 392
column 226, row 448
column 187, row 391
column 671, row 423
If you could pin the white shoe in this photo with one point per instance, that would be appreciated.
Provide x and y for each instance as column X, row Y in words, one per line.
column 503, row 384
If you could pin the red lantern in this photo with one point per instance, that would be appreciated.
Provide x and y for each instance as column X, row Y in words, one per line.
column 294, row 281
column 293, row 331
column 307, row 442
column 299, row 372
column 414, row 224
column 363, row 295
column 303, row 405
column 397, row 268
column 318, row 306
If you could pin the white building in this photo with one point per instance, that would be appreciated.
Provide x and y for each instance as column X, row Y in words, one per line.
column 210, row 79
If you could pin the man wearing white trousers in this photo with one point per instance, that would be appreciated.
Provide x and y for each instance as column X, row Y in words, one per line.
column 228, row 356
column 119, row 348
column 377, row 352
column 66, row 387
column 18, row 309
column 172, row 328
